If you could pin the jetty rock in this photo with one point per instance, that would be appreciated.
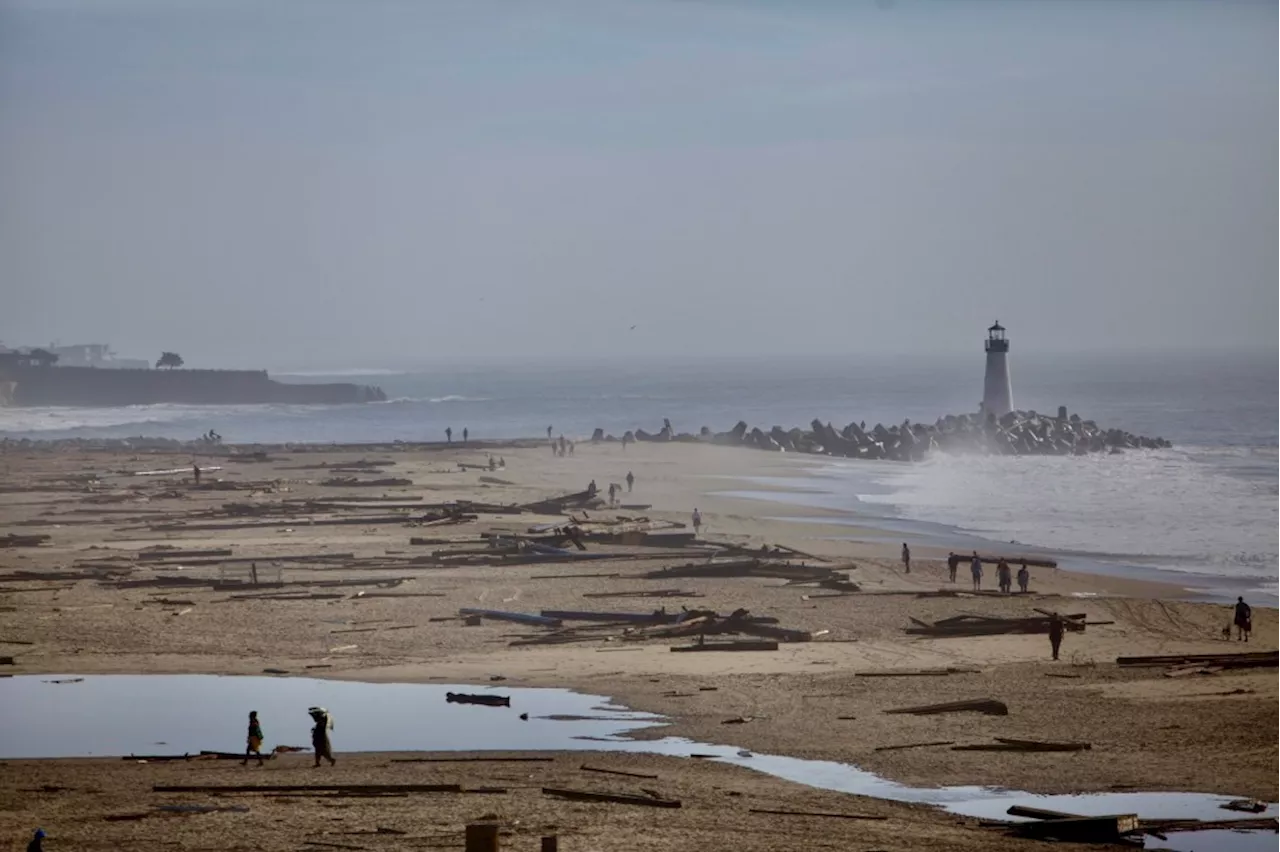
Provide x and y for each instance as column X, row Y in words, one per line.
column 1018, row 433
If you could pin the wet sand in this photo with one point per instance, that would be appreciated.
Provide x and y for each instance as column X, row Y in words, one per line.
column 1207, row 733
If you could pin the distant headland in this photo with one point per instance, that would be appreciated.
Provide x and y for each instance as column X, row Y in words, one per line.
column 36, row 378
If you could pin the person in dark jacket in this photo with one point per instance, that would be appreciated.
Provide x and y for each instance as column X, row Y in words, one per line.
column 1024, row 578
column 1055, row 633
column 1243, row 620
column 37, row 841
column 320, row 734
column 953, row 564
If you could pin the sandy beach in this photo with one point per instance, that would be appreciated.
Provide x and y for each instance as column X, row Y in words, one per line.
column 820, row 700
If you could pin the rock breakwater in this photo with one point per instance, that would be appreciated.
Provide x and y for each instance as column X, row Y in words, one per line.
column 1018, row 433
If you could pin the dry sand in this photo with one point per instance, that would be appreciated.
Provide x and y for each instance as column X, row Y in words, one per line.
column 1200, row 733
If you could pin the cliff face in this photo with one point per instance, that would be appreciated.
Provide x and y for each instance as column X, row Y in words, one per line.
column 92, row 386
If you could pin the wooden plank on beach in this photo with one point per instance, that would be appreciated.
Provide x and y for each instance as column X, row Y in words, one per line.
column 1227, row 660
column 989, row 706
column 814, row 814
column 615, row 798
column 1010, row 745
column 473, row 760
column 306, row 788
column 728, row 646
column 1084, row 829
column 915, row 745
column 586, row 768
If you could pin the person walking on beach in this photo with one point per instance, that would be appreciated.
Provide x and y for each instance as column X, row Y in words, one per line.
column 253, row 744
column 953, row 563
column 697, row 522
column 448, row 433
column 613, row 493
column 195, row 472
column 1024, row 578
column 465, row 435
column 1243, row 620
column 1004, row 575
column 320, row 734
column 975, row 568
column 548, row 433
column 1055, row 633
column 906, row 557
column 631, row 481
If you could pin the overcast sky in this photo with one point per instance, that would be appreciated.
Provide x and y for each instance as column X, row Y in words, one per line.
column 381, row 183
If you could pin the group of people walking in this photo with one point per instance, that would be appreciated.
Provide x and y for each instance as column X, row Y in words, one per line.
column 320, row 743
column 1004, row 573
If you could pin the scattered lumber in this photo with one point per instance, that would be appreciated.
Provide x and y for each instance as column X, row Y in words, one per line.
column 796, row 573
column 352, row 482
column 471, row 698
column 1169, row 826
column 983, row 625
column 1081, row 829
column 1251, row 806
column 656, row 593
column 382, row 789
column 1006, row 744
column 14, row 540
column 1038, row 813
column 727, row 646
column 586, row 768
column 814, row 814
column 176, row 553
column 543, row 620
column 989, row 706
column 950, row 670
column 474, row 760
column 616, row 798
column 1252, row 659
column 915, row 745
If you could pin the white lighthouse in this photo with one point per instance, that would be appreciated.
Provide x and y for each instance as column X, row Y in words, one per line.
column 997, row 393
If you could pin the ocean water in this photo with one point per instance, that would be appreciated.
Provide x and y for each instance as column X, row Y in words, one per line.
column 1207, row 508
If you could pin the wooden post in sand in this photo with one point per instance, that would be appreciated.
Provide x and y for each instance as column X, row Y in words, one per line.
column 482, row 837
column 550, row 844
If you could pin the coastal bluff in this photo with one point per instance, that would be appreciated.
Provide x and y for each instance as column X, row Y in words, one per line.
column 1017, row 433
column 92, row 386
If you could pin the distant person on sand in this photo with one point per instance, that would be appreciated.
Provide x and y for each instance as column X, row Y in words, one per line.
column 613, row 493
column 953, row 563
column 465, row 435
column 37, row 841
column 591, row 488
column 448, row 433
column 548, row 433
column 1055, row 633
column 631, row 481
column 195, row 471
column 1243, row 620
column 697, row 522
column 571, row 448
column 1004, row 574
column 975, row 568
column 320, row 734
column 1024, row 578
column 906, row 557
column 253, row 744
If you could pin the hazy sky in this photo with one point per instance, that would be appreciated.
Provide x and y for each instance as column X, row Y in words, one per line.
column 372, row 183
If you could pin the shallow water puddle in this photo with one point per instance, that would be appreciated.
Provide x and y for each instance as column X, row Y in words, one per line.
column 176, row 714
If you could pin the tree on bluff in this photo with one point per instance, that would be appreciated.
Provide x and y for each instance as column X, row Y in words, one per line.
column 170, row 360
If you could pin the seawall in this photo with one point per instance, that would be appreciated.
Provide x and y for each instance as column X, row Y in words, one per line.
column 90, row 386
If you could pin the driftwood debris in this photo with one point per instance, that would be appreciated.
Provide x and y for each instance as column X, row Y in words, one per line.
column 471, row 698
column 727, row 646
column 989, row 706
column 1005, row 744
column 915, row 745
column 13, row 540
column 1253, row 659
column 516, row 617
column 950, row 670
column 983, row 625
column 586, row 768
column 814, row 814
column 473, row 760
column 1082, row 829
column 616, row 798
column 267, row 789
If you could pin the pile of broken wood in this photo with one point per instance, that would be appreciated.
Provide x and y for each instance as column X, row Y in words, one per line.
column 986, row 625
column 645, row 626
column 1191, row 664
column 1115, row 828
